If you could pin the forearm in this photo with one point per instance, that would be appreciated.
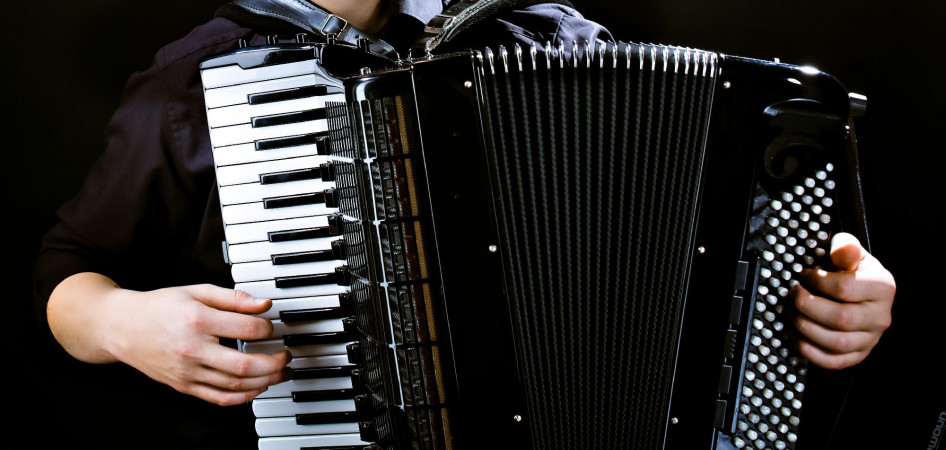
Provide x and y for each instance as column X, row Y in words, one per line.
column 79, row 311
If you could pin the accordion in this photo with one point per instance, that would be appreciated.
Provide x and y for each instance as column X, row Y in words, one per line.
column 557, row 246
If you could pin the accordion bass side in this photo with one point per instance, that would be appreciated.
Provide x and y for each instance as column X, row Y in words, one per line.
column 579, row 248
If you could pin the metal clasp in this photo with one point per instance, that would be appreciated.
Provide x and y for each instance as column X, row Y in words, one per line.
column 333, row 25
column 438, row 23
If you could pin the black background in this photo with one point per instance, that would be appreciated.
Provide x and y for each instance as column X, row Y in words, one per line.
column 65, row 64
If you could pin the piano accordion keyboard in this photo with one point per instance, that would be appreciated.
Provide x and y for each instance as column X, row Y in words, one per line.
column 268, row 129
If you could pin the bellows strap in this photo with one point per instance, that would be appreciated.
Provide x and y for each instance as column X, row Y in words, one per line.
column 307, row 16
column 303, row 14
column 463, row 14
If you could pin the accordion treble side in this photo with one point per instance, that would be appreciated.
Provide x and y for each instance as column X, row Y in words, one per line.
column 579, row 247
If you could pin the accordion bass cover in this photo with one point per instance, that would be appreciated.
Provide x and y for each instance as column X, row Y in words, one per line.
column 562, row 247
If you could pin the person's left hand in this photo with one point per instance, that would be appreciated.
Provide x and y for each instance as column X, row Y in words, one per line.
column 842, row 314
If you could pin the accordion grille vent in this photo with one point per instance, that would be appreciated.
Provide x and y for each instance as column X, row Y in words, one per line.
column 597, row 175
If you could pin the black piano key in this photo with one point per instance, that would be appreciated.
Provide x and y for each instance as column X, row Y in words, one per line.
column 287, row 118
column 368, row 431
column 344, row 447
column 303, row 233
column 305, row 280
column 326, row 417
column 313, row 373
column 339, row 277
column 322, row 396
column 354, row 353
column 327, row 171
column 327, row 197
column 339, row 249
column 337, row 223
column 295, row 340
column 345, row 301
column 364, row 404
column 331, row 198
column 350, row 325
column 292, row 94
column 290, row 175
column 302, row 315
column 294, row 200
column 356, row 379
column 336, row 252
column 319, row 139
column 302, row 257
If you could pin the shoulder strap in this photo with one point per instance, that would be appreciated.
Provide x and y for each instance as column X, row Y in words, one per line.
column 304, row 15
column 463, row 14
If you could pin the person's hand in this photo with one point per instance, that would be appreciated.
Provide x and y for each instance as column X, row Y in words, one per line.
column 842, row 314
column 172, row 334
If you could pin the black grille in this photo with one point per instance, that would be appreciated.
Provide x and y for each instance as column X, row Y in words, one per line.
column 596, row 175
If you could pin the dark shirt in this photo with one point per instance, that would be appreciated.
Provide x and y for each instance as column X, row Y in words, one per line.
column 148, row 217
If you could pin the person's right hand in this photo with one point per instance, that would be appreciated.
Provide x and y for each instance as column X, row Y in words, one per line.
column 172, row 335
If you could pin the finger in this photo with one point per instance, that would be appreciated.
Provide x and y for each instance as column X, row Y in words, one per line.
column 247, row 328
column 228, row 382
column 219, row 396
column 832, row 314
column 833, row 340
column 235, row 362
column 233, row 325
column 870, row 282
column 827, row 359
column 228, row 299
column 846, row 251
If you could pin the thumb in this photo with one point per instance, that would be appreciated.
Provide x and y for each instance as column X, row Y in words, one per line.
column 846, row 252
column 228, row 299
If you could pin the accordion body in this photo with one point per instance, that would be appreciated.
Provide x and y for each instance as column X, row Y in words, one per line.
column 556, row 247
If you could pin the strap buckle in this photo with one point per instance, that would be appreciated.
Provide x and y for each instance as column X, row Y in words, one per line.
column 333, row 25
column 438, row 23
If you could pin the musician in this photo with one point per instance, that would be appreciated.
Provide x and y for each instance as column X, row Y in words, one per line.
column 132, row 272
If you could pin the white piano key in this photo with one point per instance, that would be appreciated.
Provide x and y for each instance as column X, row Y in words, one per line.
column 256, row 192
column 316, row 441
column 243, row 113
column 286, row 388
column 281, row 328
column 284, row 406
column 232, row 95
column 264, row 251
column 266, row 270
column 247, row 153
column 241, row 134
column 233, row 75
column 286, row 426
column 250, row 173
column 259, row 231
column 255, row 212
column 268, row 289
column 272, row 346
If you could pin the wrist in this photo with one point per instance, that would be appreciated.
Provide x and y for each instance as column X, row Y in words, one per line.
column 113, row 334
